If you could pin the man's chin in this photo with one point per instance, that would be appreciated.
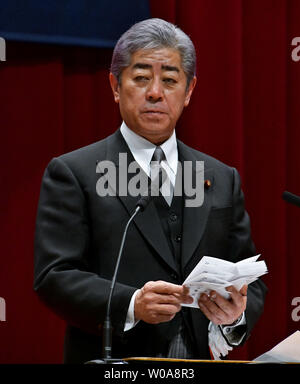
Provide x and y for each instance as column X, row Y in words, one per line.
column 155, row 135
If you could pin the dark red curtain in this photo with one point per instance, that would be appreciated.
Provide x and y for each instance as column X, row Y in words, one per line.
column 244, row 111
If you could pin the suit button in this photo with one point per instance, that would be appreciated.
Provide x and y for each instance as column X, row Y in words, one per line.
column 173, row 216
column 174, row 276
column 178, row 238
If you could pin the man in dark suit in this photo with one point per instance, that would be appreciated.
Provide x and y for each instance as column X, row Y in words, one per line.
column 78, row 230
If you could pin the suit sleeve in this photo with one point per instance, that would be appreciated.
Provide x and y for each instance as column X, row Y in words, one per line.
column 243, row 247
column 62, row 277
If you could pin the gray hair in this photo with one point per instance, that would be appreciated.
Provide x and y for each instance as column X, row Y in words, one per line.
column 151, row 34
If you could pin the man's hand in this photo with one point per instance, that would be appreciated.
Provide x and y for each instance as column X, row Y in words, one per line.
column 159, row 301
column 222, row 311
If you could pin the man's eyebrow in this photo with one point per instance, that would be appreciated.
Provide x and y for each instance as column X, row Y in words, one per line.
column 149, row 66
column 141, row 66
column 170, row 68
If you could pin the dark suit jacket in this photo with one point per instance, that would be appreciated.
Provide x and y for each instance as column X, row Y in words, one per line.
column 77, row 240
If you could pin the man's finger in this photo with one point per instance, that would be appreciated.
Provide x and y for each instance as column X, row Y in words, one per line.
column 243, row 290
column 166, row 309
column 163, row 287
column 185, row 297
column 213, row 309
column 166, row 299
column 221, row 302
column 237, row 297
column 211, row 316
column 234, row 291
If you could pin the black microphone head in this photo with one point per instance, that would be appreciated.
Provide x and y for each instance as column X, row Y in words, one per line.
column 143, row 202
column 291, row 198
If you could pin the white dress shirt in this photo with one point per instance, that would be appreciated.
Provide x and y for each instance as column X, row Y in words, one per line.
column 143, row 150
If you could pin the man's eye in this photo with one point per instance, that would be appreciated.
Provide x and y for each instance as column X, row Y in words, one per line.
column 141, row 78
column 170, row 81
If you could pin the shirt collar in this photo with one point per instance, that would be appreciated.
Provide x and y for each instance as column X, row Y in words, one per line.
column 142, row 149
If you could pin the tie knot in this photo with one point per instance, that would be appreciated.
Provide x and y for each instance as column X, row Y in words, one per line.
column 158, row 155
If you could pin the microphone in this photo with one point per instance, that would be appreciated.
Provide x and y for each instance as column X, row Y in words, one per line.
column 141, row 205
column 291, row 198
column 143, row 202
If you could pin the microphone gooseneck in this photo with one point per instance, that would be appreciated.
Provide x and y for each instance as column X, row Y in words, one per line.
column 107, row 329
column 107, row 323
column 291, row 198
column 141, row 205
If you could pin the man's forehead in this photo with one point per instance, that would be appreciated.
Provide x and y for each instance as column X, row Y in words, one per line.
column 166, row 58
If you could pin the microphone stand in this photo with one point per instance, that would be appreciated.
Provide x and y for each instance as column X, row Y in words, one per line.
column 107, row 329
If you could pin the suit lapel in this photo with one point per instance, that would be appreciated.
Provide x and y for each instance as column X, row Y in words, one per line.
column 194, row 218
column 148, row 222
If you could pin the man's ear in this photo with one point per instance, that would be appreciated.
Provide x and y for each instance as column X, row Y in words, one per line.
column 115, row 87
column 190, row 91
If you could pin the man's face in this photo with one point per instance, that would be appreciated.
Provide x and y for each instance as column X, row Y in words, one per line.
column 152, row 93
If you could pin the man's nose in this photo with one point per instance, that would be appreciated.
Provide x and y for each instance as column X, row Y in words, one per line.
column 155, row 91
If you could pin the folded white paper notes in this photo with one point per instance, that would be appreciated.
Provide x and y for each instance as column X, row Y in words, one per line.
column 216, row 274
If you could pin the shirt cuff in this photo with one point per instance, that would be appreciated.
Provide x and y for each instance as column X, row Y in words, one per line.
column 217, row 343
column 231, row 334
column 130, row 321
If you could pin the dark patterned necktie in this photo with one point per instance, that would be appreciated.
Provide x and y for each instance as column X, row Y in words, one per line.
column 157, row 171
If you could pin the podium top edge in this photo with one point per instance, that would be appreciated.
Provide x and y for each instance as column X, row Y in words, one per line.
column 169, row 360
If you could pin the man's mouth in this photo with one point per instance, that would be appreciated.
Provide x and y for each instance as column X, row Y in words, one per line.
column 154, row 112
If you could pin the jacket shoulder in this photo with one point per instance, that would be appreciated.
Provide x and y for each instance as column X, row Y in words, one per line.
column 209, row 161
column 88, row 152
